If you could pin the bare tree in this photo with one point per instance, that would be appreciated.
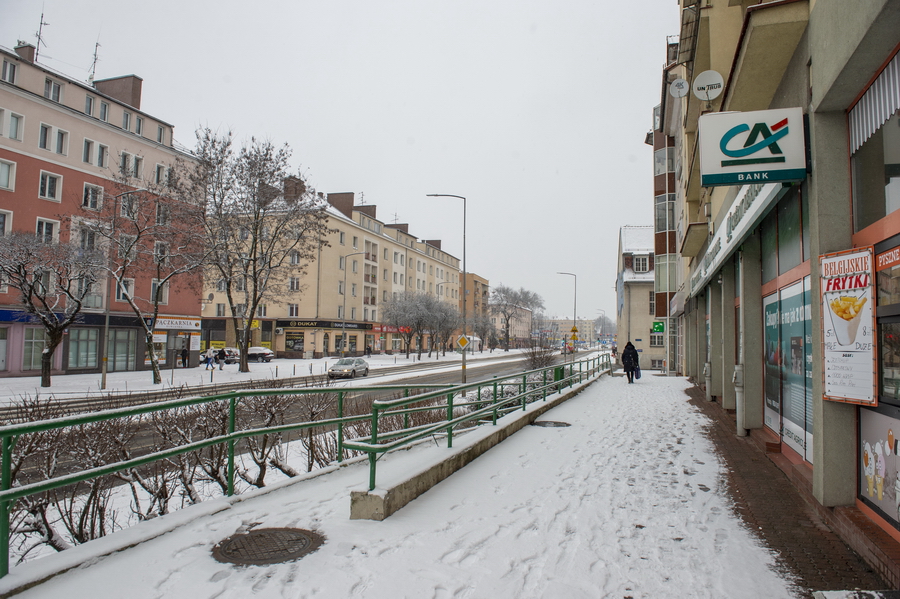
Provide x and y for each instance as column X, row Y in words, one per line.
column 53, row 280
column 154, row 243
column 407, row 312
column 442, row 320
column 483, row 328
column 261, row 223
column 506, row 303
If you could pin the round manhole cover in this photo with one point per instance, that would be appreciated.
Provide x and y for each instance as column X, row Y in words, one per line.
column 550, row 423
column 267, row 546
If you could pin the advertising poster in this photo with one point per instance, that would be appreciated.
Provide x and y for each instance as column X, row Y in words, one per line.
column 808, row 368
column 773, row 363
column 794, row 319
column 879, row 483
column 293, row 340
column 848, row 326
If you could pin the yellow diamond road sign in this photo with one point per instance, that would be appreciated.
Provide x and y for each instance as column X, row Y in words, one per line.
column 462, row 342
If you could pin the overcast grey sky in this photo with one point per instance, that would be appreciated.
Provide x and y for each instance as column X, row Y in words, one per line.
column 535, row 110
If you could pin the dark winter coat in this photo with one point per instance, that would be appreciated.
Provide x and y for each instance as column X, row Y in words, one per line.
column 630, row 358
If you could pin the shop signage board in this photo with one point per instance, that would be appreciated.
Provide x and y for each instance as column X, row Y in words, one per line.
column 848, row 326
column 763, row 146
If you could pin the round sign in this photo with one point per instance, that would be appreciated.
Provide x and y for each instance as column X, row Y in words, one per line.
column 708, row 85
column 679, row 88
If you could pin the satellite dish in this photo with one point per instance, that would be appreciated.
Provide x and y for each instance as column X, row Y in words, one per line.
column 210, row 298
column 679, row 88
column 708, row 85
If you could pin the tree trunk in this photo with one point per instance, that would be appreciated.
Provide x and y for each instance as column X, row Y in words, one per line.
column 154, row 359
column 53, row 341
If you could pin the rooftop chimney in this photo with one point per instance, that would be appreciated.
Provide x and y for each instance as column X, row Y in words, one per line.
column 343, row 201
column 125, row 89
column 25, row 51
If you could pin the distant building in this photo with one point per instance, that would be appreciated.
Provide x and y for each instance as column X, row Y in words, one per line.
column 636, row 297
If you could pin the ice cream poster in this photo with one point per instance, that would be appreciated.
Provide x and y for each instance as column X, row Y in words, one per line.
column 879, row 463
column 848, row 326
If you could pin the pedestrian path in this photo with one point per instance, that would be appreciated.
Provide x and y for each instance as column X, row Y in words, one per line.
column 631, row 500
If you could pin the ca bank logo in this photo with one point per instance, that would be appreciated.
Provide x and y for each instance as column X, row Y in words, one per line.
column 758, row 139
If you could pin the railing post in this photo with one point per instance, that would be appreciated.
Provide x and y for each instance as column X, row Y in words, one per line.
column 5, row 484
column 449, row 417
column 405, row 414
column 340, row 414
column 372, row 458
column 524, row 392
column 495, row 400
column 231, row 423
column 544, row 385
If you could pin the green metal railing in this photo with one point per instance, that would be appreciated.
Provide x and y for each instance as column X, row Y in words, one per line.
column 551, row 379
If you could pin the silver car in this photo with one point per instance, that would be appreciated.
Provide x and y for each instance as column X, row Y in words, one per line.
column 349, row 368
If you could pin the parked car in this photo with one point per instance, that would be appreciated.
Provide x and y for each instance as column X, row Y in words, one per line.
column 232, row 355
column 260, row 354
column 349, row 368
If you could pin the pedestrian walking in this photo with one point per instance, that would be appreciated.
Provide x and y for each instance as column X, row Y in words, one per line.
column 184, row 357
column 220, row 358
column 630, row 360
column 209, row 359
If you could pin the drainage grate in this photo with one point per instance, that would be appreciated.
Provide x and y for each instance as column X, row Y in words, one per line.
column 267, row 546
column 550, row 423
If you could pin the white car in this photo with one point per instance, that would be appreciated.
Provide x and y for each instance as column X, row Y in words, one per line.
column 260, row 354
column 349, row 367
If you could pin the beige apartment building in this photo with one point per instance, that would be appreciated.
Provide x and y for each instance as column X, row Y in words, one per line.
column 365, row 263
column 636, row 297
column 781, row 123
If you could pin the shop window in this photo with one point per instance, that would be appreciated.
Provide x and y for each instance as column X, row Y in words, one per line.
column 33, row 348
column 876, row 174
column 789, row 241
column 83, row 348
column 769, row 249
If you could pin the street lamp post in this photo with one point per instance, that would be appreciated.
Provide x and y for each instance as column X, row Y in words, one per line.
column 344, row 308
column 602, row 324
column 103, row 365
column 465, row 299
column 574, row 308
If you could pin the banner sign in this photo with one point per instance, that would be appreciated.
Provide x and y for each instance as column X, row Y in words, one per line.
column 764, row 146
column 848, row 326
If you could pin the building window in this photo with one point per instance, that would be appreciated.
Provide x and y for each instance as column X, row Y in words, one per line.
column 657, row 364
column 657, row 339
column 352, row 313
column 89, row 105
column 665, row 212
column 7, row 175
column 220, row 309
column 128, row 207
column 355, row 242
column 46, row 230
column 127, row 250
column 92, row 196
column 161, row 252
column 104, row 112
column 293, row 310
column 261, row 310
column 15, row 127
column 88, row 239
column 295, row 258
column 35, row 340
column 62, row 139
column 652, row 302
column 160, row 134
column 161, row 177
column 87, row 153
column 126, row 121
column 123, row 290
column 353, row 289
column 340, row 288
column 295, row 283
column 341, row 237
column 51, row 186
column 641, row 264
column 341, row 263
column 44, row 137
column 102, row 156
column 137, row 167
column 8, row 73
column 159, row 289
column 355, row 267
column 83, row 345
column 663, row 161
column 52, row 90
column 340, row 311
column 139, row 125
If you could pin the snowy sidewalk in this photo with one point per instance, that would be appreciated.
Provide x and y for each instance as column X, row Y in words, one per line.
column 626, row 502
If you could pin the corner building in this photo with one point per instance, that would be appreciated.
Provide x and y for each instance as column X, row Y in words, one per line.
column 750, row 249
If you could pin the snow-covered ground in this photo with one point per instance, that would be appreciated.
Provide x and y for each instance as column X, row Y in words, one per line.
column 626, row 502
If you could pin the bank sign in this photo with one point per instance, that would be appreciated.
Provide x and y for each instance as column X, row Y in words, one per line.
column 738, row 148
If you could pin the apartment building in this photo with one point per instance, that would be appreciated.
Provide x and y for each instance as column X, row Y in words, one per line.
column 63, row 144
column 636, row 319
column 364, row 264
column 784, row 117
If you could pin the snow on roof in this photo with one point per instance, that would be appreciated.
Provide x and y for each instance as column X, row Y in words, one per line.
column 636, row 239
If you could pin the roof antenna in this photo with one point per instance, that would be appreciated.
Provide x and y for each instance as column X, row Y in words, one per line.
column 40, row 38
column 94, row 64
column 362, row 198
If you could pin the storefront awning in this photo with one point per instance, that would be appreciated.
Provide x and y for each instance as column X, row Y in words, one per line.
column 694, row 238
column 769, row 38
